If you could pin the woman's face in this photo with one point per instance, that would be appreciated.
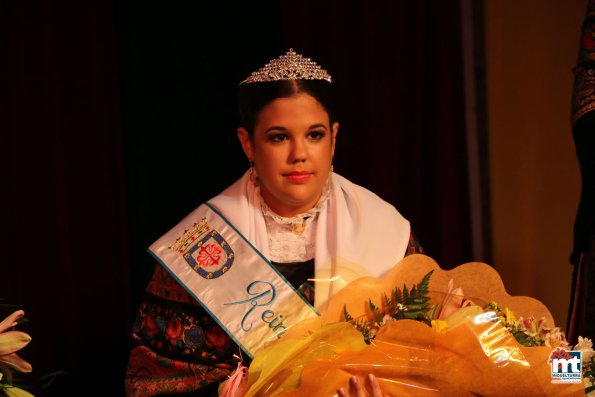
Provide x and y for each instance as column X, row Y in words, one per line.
column 292, row 150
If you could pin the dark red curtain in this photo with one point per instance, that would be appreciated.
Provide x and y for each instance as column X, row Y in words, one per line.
column 65, row 258
column 109, row 107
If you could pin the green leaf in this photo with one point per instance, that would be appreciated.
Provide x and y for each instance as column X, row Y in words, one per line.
column 346, row 314
column 407, row 303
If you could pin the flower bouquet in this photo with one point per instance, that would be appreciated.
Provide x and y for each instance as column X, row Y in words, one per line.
column 15, row 373
column 421, row 336
column 12, row 341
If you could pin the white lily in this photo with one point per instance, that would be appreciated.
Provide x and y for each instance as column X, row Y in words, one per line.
column 586, row 346
column 13, row 341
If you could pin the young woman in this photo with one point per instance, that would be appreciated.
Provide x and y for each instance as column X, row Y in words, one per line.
column 289, row 212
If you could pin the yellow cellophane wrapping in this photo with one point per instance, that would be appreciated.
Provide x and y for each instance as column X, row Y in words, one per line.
column 409, row 358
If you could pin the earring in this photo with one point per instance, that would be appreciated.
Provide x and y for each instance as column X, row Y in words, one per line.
column 252, row 171
column 332, row 168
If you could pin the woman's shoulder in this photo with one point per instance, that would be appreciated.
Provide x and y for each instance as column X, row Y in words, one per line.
column 414, row 246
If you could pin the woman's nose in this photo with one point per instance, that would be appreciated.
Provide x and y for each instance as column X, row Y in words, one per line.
column 299, row 150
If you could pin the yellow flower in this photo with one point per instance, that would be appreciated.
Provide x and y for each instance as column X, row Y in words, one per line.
column 439, row 326
column 13, row 341
column 12, row 391
column 510, row 318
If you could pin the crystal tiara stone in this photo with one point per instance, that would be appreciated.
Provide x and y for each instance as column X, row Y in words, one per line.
column 291, row 66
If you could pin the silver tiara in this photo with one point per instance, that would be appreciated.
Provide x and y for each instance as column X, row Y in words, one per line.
column 291, row 66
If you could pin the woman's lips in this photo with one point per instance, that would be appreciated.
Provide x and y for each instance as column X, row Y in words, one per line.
column 298, row 177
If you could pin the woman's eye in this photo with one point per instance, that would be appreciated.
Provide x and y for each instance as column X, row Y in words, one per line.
column 316, row 135
column 277, row 137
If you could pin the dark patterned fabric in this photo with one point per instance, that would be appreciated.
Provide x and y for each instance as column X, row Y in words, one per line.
column 582, row 301
column 583, row 97
column 583, row 130
column 178, row 349
column 177, row 346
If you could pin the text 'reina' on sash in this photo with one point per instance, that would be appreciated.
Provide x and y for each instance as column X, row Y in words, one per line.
column 235, row 284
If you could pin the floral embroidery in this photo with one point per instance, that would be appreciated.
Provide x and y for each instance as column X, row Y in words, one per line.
column 150, row 374
column 173, row 330
column 178, row 346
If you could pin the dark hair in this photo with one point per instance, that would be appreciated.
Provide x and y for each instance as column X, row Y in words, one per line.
column 255, row 96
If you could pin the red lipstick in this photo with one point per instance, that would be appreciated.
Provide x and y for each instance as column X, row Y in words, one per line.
column 298, row 176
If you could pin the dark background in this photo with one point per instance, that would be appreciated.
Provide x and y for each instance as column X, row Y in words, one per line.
column 118, row 118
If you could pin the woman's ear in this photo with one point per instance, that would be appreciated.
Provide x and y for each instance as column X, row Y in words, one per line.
column 334, row 131
column 246, row 143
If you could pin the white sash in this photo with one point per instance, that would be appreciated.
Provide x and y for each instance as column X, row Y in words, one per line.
column 235, row 283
